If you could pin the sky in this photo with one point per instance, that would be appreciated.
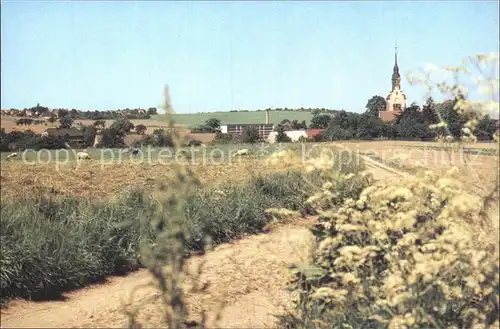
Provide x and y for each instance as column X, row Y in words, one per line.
column 222, row 55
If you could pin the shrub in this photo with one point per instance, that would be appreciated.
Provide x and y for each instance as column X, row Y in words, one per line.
column 4, row 141
column 38, row 142
column 24, row 121
column 194, row 142
column 66, row 121
column 221, row 138
column 159, row 138
column 403, row 255
column 89, row 132
column 303, row 139
column 111, row 137
column 282, row 137
column 250, row 135
column 140, row 129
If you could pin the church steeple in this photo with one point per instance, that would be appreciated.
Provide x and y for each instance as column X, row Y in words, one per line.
column 396, row 100
column 396, row 78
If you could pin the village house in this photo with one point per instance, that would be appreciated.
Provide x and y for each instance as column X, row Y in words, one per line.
column 72, row 135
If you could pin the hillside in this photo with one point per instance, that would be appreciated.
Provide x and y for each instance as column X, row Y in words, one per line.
column 193, row 119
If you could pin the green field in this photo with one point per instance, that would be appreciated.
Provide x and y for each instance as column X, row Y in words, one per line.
column 193, row 119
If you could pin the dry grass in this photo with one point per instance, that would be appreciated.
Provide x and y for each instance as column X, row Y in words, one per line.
column 390, row 144
column 93, row 180
column 477, row 171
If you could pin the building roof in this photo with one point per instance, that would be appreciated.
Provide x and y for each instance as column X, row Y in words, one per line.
column 72, row 132
column 387, row 116
column 314, row 132
column 249, row 124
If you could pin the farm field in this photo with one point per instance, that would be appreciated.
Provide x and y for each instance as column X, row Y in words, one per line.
column 257, row 265
column 181, row 120
column 9, row 124
column 105, row 175
column 193, row 119
column 217, row 153
column 478, row 169
column 109, row 172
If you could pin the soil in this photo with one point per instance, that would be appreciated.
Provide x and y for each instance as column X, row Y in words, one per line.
column 249, row 276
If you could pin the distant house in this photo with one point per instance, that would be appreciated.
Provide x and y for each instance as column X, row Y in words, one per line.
column 294, row 135
column 71, row 135
column 314, row 132
column 264, row 129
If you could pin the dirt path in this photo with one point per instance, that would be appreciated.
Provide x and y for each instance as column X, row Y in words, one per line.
column 249, row 275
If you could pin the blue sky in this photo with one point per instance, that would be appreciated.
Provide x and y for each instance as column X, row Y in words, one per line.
column 229, row 55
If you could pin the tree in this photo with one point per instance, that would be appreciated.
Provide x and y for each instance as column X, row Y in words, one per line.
column 122, row 125
column 320, row 121
column 61, row 113
column 315, row 112
column 112, row 137
column 340, row 119
column 375, row 104
column 410, row 124
column 99, row 123
column 286, row 125
column 282, row 137
column 368, row 126
column 162, row 138
column 292, row 125
column 389, row 130
column 342, row 126
column 66, row 121
column 250, row 135
column 4, row 141
column 141, row 129
column 213, row 123
column 454, row 121
column 152, row 111
column 429, row 112
column 486, row 128
column 221, row 138
column 89, row 132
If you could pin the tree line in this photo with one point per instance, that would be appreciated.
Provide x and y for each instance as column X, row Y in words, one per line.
column 111, row 137
column 53, row 115
column 411, row 124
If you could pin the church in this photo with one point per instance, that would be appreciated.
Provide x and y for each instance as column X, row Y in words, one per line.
column 396, row 100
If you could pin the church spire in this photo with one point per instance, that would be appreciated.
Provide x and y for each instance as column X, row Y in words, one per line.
column 396, row 58
column 396, row 78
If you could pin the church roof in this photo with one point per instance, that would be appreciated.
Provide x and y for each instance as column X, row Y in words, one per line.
column 387, row 116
